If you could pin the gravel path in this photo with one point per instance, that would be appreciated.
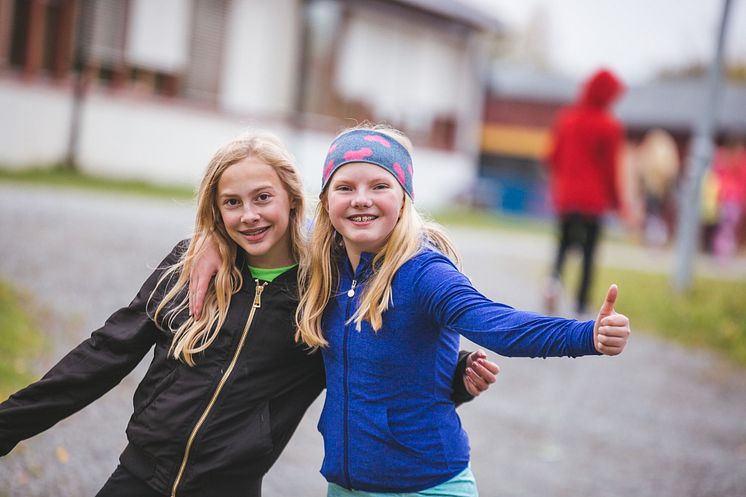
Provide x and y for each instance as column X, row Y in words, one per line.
column 658, row 421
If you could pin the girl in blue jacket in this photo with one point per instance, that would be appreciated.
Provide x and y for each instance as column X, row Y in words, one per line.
column 381, row 291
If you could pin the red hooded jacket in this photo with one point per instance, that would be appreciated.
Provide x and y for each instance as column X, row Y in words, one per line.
column 586, row 141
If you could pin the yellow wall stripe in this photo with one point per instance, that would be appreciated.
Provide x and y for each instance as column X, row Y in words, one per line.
column 520, row 141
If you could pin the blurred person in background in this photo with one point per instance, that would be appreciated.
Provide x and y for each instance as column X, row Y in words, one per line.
column 709, row 215
column 583, row 163
column 729, row 166
column 658, row 165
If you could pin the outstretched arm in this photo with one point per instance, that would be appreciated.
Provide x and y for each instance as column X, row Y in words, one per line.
column 87, row 372
column 453, row 303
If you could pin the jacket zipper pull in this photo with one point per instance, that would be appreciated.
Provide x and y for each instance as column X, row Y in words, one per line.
column 351, row 291
column 258, row 294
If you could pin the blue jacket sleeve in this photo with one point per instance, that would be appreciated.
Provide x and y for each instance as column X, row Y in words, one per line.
column 451, row 301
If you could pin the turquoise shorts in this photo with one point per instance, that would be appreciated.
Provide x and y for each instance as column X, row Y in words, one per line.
column 461, row 485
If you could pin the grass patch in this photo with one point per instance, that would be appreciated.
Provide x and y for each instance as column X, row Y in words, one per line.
column 711, row 315
column 518, row 223
column 20, row 341
column 492, row 220
column 59, row 176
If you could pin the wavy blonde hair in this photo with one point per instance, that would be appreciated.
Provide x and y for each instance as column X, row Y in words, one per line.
column 194, row 336
column 318, row 275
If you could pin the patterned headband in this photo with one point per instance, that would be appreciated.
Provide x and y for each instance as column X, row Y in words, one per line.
column 373, row 147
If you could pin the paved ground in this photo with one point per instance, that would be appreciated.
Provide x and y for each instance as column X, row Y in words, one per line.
column 658, row 421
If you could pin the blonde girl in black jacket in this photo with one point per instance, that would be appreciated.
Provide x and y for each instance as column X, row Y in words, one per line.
column 223, row 393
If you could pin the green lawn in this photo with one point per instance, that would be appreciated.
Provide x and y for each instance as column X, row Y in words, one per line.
column 58, row 176
column 20, row 340
column 481, row 219
column 711, row 315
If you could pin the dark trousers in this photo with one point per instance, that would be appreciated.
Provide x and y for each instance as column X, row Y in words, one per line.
column 582, row 231
column 122, row 483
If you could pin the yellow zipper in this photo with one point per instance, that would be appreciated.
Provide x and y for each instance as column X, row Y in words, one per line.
column 256, row 305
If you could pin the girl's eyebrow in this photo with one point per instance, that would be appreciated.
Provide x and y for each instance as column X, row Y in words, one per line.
column 383, row 177
column 253, row 191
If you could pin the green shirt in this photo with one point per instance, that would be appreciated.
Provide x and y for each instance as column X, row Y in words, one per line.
column 269, row 274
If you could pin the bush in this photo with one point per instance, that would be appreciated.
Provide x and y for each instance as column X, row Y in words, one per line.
column 20, row 341
column 711, row 315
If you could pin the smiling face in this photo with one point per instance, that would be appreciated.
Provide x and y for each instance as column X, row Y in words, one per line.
column 364, row 202
column 255, row 209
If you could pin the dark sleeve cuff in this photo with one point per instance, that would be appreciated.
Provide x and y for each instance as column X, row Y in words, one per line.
column 460, row 395
column 6, row 447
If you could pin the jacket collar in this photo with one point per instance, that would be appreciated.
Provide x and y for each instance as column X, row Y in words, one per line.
column 287, row 280
column 364, row 267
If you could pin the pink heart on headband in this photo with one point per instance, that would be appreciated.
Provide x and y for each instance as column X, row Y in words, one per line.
column 328, row 169
column 379, row 139
column 409, row 168
column 332, row 148
column 358, row 154
column 400, row 174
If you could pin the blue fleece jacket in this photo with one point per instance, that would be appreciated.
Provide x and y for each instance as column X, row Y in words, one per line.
column 388, row 422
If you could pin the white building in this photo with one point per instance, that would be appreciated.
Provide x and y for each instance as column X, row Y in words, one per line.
column 167, row 82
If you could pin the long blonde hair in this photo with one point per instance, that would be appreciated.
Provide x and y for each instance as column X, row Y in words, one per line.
column 194, row 336
column 318, row 275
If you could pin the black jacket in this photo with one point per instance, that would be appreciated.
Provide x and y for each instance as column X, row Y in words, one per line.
column 195, row 430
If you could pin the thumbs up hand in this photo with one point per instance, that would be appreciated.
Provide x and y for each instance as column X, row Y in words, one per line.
column 611, row 330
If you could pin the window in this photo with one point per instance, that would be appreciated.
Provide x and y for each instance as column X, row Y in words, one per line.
column 383, row 62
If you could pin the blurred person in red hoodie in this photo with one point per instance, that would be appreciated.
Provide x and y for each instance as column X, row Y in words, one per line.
column 729, row 167
column 583, row 162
